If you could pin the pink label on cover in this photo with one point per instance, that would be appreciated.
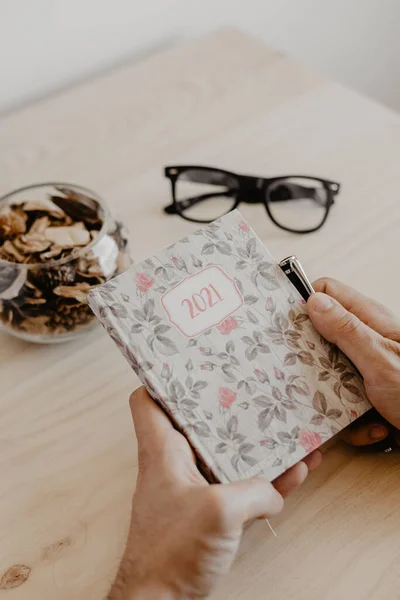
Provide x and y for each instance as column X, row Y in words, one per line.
column 201, row 301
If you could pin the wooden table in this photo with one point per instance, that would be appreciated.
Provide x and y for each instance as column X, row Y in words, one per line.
column 67, row 453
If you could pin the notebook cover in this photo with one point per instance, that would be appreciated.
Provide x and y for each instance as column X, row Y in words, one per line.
column 222, row 341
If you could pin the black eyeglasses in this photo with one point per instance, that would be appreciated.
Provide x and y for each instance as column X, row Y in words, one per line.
column 295, row 203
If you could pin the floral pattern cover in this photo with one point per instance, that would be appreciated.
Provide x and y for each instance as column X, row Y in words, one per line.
column 253, row 394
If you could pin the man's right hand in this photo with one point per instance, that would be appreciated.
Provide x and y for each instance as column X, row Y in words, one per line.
column 369, row 334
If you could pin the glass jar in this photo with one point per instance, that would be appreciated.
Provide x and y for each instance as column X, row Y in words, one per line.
column 57, row 241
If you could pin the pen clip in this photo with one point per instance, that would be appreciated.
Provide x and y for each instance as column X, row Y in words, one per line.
column 295, row 273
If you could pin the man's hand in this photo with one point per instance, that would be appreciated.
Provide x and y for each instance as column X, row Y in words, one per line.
column 369, row 334
column 184, row 532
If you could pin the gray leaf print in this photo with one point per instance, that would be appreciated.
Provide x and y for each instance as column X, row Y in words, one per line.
column 250, row 299
column 189, row 382
column 290, row 359
column 119, row 311
column 139, row 316
column 239, row 285
column 224, row 248
column 230, row 347
column 346, row 377
column 252, row 317
column 222, row 434
column 232, row 424
column 264, row 266
column 248, row 340
column 202, row 429
column 295, row 431
column 257, row 337
column 268, row 282
column 200, row 385
column 261, row 375
column 208, row 249
column 289, row 404
column 161, row 329
column 251, row 247
column 264, row 419
column 176, row 390
column 354, row 390
column 189, row 365
column 263, row 401
column 137, row 328
column 228, row 372
column 317, row 419
column 148, row 308
column 241, row 264
column 251, row 353
column 242, row 253
column 166, row 346
column 146, row 366
column 334, row 413
column 249, row 459
column 208, row 415
column 234, row 461
column 189, row 403
column 155, row 320
column 221, row 448
column 264, row 348
column 197, row 263
column 269, row 443
column 306, row 358
column 284, row 437
column 319, row 402
column 324, row 376
column 238, row 437
column 280, row 413
column 192, row 343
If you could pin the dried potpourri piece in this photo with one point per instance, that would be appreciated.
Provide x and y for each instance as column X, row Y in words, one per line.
column 52, row 252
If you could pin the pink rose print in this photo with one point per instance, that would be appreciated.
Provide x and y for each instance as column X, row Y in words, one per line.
column 243, row 226
column 227, row 326
column 309, row 440
column 143, row 282
column 226, row 397
column 354, row 414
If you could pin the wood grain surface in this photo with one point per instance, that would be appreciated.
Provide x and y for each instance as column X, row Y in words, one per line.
column 67, row 450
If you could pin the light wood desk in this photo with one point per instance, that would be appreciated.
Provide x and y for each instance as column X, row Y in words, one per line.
column 67, row 452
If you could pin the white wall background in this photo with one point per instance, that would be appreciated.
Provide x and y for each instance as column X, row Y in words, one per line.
column 47, row 44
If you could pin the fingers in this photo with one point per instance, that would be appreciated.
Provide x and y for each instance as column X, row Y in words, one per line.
column 287, row 483
column 151, row 424
column 372, row 313
column 364, row 434
column 251, row 498
column 358, row 341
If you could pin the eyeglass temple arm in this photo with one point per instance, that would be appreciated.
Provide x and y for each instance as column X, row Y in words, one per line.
column 301, row 191
column 171, row 209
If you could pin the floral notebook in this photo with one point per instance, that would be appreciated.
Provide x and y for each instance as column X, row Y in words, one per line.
column 222, row 341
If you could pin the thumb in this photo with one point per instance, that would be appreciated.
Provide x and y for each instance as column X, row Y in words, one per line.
column 359, row 342
column 151, row 424
column 252, row 498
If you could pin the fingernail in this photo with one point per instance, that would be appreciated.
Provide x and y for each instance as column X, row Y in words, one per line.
column 377, row 433
column 321, row 302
